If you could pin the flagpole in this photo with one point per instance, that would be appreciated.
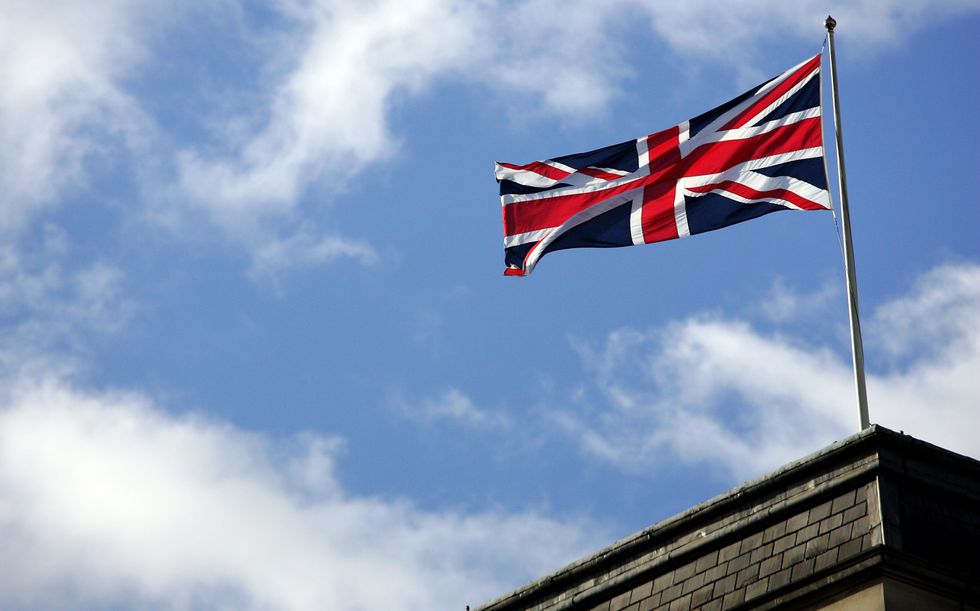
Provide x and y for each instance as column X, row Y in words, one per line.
column 857, row 348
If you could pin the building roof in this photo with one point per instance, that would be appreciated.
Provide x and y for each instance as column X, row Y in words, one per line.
column 810, row 530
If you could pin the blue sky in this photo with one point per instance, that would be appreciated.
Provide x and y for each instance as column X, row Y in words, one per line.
column 257, row 348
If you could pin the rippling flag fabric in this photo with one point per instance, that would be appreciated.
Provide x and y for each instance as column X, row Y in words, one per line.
column 759, row 153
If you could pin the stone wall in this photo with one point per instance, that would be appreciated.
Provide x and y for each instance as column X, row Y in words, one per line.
column 762, row 562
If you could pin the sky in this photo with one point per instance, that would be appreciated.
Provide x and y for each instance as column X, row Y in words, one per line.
column 257, row 350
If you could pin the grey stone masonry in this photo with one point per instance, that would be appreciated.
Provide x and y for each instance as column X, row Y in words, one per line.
column 804, row 534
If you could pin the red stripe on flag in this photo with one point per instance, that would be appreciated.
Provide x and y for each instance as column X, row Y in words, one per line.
column 749, row 193
column 657, row 216
column 531, row 215
column 663, row 149
column 521, row 217
column 791, row 81
column 715, row 157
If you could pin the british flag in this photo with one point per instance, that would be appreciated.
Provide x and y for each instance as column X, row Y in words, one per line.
column 759, row 153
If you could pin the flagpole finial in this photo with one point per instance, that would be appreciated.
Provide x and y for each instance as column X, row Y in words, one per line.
column 830, row 23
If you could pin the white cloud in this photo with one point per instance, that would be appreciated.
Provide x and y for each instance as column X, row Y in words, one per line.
column 452, row 405
column 714, row 29
column 61, row 65
column 329, row 111
column 932, row 337
column 303, row 249
column 931, row 317
column 566, row 53
column 784, row 304
column 106, row 501
column 719, row 391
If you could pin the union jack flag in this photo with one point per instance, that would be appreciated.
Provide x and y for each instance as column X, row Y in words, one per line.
column 759, row 153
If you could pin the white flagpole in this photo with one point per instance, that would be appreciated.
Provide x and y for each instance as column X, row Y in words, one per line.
column 857, row 348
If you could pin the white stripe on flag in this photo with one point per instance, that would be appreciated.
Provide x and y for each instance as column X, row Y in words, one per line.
column 642, row 156
column 636, row 218
column 594, row 185
column 523, row 238
column 680, row 211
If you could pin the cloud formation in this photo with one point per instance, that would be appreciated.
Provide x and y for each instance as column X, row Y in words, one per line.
column 63, row 101
column 51, row 303
column 452, row 406
column 712, row 29
column 107, row 501
column 304, row 249
column 721, row 392
column 328, row 114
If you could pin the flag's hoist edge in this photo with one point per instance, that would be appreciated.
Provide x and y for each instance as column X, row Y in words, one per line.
column 758, row 153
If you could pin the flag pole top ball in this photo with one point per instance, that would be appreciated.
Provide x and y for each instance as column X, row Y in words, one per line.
column 830, row 23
